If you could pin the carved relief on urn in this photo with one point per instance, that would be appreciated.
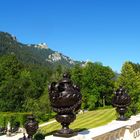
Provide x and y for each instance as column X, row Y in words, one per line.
column 121, row 100
column 65, row 98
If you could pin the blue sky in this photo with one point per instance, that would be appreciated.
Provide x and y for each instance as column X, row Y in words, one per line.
column 98, row 30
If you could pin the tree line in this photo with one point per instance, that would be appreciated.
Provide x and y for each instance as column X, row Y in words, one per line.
column 24, row 88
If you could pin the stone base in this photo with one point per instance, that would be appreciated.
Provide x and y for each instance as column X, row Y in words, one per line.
column 78, row 137
column 122, row 119
column 57, row 134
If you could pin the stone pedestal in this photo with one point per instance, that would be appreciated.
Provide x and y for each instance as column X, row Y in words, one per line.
column 78, row 137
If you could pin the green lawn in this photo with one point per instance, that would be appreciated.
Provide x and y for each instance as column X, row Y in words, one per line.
column 85, row 121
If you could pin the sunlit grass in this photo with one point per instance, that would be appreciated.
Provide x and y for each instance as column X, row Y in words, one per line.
column 84, row 121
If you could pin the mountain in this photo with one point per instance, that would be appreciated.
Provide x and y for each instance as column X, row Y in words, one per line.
column 39, row 54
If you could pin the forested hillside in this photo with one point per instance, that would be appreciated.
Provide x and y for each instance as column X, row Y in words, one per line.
column 38, row 54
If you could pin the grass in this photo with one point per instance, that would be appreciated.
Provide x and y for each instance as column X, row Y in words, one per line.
column 84, row 121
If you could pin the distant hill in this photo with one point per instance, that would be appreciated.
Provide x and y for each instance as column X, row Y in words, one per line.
column 38, row 54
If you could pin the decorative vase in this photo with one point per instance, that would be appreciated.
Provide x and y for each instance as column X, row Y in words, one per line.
column 121, row 100
column 31, row 126
column 65, row 98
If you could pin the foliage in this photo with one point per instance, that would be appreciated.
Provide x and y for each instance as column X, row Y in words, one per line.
column 6, row 117
column 130, row 80
column 95, row 81
column 25, row 87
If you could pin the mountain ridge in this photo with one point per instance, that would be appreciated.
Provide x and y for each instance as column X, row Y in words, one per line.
column 39, row 54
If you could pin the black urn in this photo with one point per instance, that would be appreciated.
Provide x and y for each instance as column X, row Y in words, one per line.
column 65, row 98
column 31, row 126
column 121, row 100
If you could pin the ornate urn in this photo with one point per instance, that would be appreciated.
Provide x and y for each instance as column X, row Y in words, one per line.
column 121, row 100
column 65, row 98
column 31, row 126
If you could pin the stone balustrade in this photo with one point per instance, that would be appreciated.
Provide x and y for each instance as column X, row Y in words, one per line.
column 116, row 130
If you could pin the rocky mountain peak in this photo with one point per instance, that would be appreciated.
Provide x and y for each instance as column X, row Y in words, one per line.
column 42, row 46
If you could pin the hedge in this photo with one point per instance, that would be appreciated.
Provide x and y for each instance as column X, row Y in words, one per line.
column 13, row 118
